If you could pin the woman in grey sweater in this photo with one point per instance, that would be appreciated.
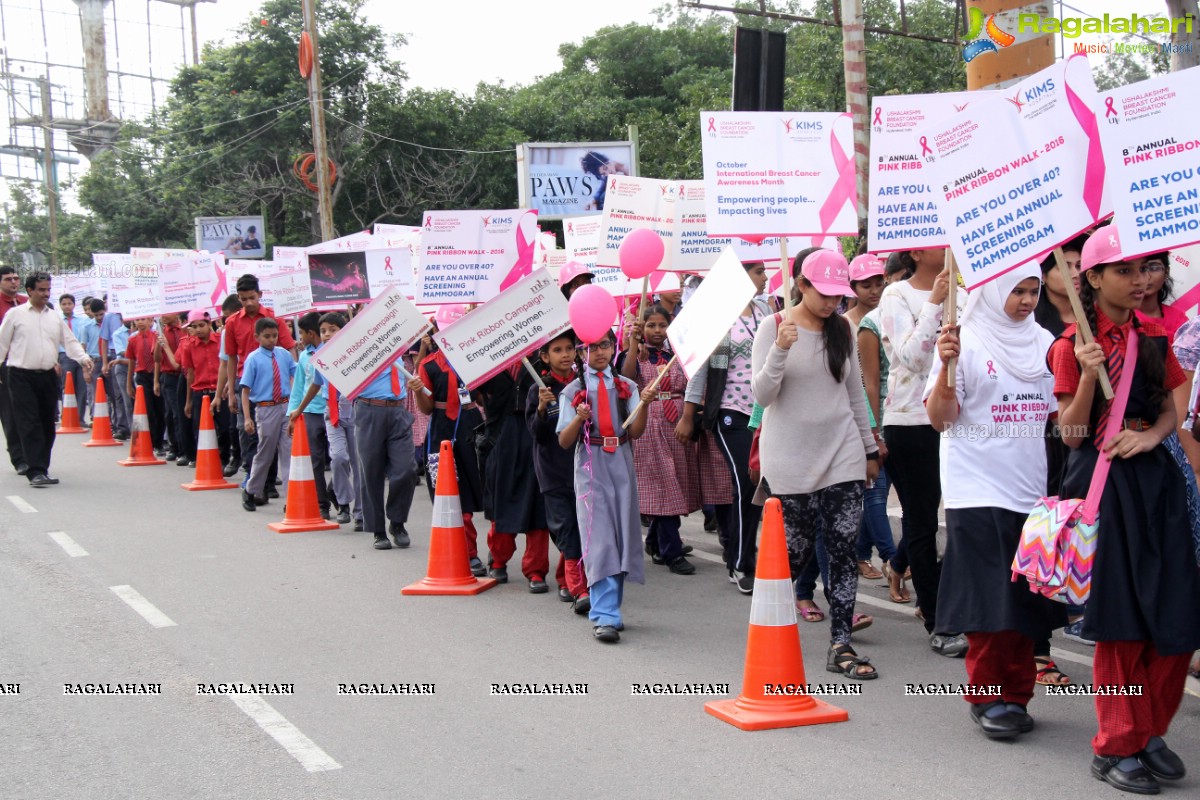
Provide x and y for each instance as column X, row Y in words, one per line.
column 817, row 446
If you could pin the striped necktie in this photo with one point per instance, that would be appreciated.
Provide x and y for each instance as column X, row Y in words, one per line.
column 1115, row 363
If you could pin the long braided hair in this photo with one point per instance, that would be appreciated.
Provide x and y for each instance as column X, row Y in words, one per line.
column 1150, row 358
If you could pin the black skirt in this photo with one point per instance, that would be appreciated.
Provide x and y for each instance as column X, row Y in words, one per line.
column 512, row 498
column 470, row 483
column 1145, row 585
column 977, row 593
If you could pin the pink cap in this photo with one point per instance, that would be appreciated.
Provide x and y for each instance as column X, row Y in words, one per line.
column 1102, row 247
column 448, row 314
column 865, row 266
column 572, row 270
column 828, row 272
column 197, row 315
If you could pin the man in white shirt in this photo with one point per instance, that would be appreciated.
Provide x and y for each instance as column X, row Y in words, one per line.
column 29, row 338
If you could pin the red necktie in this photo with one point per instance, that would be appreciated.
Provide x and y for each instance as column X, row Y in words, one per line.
column 606, row 424
column 276, row 383
column 395, row 381
column 333, row 405
column 1115, row 363
column 147, row 353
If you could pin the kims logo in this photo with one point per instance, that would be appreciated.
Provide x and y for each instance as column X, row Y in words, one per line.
column 984, row 37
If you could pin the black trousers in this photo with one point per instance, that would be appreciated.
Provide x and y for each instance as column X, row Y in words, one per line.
column 562, row 522
column 912, row 466
column 318, row 448
column 12, row 438
column 169, row 385
column 220, row 422
column 34, row 396
column 154, row 407
column 739, row 520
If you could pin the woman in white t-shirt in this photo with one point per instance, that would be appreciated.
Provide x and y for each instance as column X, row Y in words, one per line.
column 993, row 470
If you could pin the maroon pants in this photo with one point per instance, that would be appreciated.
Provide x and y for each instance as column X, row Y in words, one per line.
column 1127, row 722
column 472, row 535
column 571, row 575
column 1004, row 659
column 536, row 561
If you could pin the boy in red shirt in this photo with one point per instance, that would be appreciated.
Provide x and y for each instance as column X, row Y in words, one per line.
column 140, row 353
column 199, row 361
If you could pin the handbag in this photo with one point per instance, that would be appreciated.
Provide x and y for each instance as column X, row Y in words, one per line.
column 1058, row 540
column 433, row 457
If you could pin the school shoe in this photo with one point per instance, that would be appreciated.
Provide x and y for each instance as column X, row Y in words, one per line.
column 343, row 515
column 477, row 567
column 230, row 469
column 358, row 525
column 182, row 461
column 1162, row 762
column 248, row 501
column 499, row 574
column 606, row 633
column 950, row 645
column 23, row 469
column 41, row 480
column 710, row 523
column 1074, row 632
column 995, row 720
column 381, row 542
column 273, row 493
column 399, row 535
column 325, row 513
column 681, row 566
column 538, row 586
column 1125, row 773
column 582, row 605
column 743, row 582
column 260, row 500
column 564, row 594
column 1024, row 721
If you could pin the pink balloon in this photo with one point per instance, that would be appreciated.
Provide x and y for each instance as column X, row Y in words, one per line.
column 593, row 311
column 753, row 238
column 641, row 253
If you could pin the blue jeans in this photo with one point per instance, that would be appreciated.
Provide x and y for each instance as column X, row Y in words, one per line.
column 606, row 596
column 876, row 530
column 806, row 584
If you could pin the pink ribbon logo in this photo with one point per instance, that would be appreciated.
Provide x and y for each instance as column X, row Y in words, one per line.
column 991, row 368
column 843, row 189
column 1109, row 111
column 222, row 287
column 878, row 117
column 712, row 124
column 524, row 263
column 925, row 151
column 387, row 263
column 1093, row 182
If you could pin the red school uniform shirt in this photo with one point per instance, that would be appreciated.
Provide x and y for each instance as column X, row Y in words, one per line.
column 140, row 351
column 205, row 359
column 176, row 338
column 239, row 338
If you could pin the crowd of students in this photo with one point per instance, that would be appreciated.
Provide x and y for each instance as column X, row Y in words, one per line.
column 825, row 404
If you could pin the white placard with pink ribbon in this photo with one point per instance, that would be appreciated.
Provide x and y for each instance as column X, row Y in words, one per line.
column 631, row 204
column 186, row 283
column 1185, row 274
column 291, row 292
column 113, row 270
column 779, row 173
column 710, row 312
column 1020, row 174
column 902, row 205
column 374, row 338
column 363, row 240
column 582, row 236
column 1153, row 157
column 388, row 268
column 502, row 331
column 695, row 250
column 472, row 256
column 296, row 257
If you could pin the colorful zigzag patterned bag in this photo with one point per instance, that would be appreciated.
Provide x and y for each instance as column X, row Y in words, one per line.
column 1058, row 541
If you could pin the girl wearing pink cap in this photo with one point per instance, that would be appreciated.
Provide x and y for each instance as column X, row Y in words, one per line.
column 1144, row 608
column 806, row 376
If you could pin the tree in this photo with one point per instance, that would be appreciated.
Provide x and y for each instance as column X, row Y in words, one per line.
column 1186, row 44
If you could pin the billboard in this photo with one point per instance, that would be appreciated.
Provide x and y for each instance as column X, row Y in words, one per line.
column 236, row 237
column 567, row 180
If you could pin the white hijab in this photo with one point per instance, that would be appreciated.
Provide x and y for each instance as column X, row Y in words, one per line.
column 1019, row 347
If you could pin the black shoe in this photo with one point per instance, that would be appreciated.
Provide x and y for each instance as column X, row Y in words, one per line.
column 477, row 567
column 381, row 542
column 260, row 500
column 1136, row 778
column 230, row 469
column 564, row 594
column 538, row 586
column 40, row 480
column 582, row 605
column 279, row 482
column 22, row 469
column 325, row 513
column 710, row 523
column 343, row 516
column 169, row 454
column 687, row 549
column 744, row 582
column 399, row 535
column 681, row 566
column 248, row 501
column 645, row 520
column 1024, row 721
column 358, row 526
column 183, row 461
column 606, row 633
column 1001, row 726
column 1163, row 763
column 273, row 493
column 500, row 574
column 652, row 551
column 159, row 452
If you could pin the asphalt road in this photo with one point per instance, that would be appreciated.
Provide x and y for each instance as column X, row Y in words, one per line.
column 218, row 598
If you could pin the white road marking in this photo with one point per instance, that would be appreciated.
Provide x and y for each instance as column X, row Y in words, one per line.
column 142, row 606
column 68, row 544
column 21, row 504
column 299, row 746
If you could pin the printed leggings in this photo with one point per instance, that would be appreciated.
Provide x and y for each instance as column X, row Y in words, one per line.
column 835, row 512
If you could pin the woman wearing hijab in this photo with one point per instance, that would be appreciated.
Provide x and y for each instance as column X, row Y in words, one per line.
column 993, row 471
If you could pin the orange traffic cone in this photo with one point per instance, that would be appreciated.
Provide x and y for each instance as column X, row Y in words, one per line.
column 141, row 448
column 70, row 411
column 208, row 459
column 303, row 512
column 101, row 429
column 449, row 571
column 773, row 685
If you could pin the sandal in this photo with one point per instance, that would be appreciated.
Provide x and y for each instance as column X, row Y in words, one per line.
column 842, row 659
column 867, row 570
column 860, row 621
column 1048, row 673
column 810, row 613
column 897, row 593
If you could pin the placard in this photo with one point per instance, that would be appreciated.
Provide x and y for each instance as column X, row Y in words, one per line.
column 633, row 204
column 391, row 267
column 695, row 250
column 505, row 329
column 291, row 293
column 777, row 173
column 710, row 312
column 1153, row 156
column 472, row 256
column 338, row 278
column 374, row 338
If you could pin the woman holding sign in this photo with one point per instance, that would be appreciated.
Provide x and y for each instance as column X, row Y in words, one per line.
column 806, row 376
column 1144, row 608
column 993, row 463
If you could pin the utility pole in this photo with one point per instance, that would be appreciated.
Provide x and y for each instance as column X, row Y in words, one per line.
column 48, row 171
column 317, row 107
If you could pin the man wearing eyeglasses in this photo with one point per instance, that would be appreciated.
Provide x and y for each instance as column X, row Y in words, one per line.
column 10, row 281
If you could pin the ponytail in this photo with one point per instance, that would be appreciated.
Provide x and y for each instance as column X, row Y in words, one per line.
column 835, row 333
